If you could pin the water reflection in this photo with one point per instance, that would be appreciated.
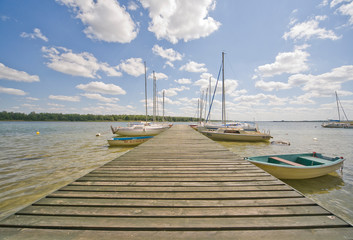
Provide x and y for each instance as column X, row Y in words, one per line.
column 319, row 185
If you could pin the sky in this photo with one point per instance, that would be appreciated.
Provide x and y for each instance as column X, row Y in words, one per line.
column 284, row 59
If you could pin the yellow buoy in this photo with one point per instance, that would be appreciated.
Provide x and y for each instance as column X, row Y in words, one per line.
column 38, row 133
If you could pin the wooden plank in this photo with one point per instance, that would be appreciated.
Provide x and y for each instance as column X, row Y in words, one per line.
column 254, row 177
column 176, row 195
column 175, row 189
column 287, row 162
column 171, row 211
column 170, row 223
column 178, row 184
column 288, row 234
column 197, row 203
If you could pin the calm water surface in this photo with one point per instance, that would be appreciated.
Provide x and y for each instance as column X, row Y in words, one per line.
column 33, row 165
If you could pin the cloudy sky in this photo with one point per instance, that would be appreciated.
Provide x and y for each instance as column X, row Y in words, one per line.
column 284, row 59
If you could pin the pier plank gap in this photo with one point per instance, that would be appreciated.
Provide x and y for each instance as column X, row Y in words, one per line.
column 178, row 185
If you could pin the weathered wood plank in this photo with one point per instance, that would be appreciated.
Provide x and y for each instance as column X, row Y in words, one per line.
column 172, row 211
column 67, row 234
column 169, row 223
column 180, row 179
column 177, row 195
column 175, row 189
column 178, row 184
column 175, row 203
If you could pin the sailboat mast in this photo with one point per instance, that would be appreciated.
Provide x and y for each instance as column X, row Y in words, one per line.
column 154, row 97
column 338, row 107
column 223, row 94
column 146, row 92
column 209, row 100
column 163, row 104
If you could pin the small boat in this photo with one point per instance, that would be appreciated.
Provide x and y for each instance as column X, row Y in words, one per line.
column 140, row 130
column 128, row 141
column 237, row 134
column 297, row 166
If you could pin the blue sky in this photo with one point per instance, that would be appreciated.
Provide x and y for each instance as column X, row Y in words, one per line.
column 283, row 59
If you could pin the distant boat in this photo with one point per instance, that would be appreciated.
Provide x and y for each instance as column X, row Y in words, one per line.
column 128, row 141
column 297, row 166
column 338, row 123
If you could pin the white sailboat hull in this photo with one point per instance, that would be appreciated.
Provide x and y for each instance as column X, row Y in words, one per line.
column 140, row 131
column 250, row 137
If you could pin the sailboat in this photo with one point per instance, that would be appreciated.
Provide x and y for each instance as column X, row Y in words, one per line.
column 339, row 123
column 234, row 133
column 143, row 128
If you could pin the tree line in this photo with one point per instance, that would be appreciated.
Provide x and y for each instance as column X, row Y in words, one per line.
column 14, row 116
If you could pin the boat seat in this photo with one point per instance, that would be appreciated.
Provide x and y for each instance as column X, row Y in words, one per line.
column 286, row 161
column 315, row 159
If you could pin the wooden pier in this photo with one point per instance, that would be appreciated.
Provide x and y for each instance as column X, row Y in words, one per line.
column 178, row 185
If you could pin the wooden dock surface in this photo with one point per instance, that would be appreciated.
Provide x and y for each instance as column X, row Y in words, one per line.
column 178, row 185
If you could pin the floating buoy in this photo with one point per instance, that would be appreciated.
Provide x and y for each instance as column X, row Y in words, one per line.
column 98, row 134
column 315, row 139
column 37, row 133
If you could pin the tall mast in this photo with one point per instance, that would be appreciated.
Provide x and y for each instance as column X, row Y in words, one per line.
column 338, row 108
column 154, row 97
column 146, row 92
column 163, row 104
column 223, row 94
column 209, row 100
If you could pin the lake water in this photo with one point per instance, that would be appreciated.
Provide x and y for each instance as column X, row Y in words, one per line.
column 33, row 165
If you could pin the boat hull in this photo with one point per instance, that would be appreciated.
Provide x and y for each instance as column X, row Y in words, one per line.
column 140, row 130
column 237, row 137
column 128, row 141
column 283, row 171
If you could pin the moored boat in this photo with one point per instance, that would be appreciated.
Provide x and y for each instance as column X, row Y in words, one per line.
column 128, row 141
column 140, row 130
column 237, row 134
column 297, row 166
column 339, row 123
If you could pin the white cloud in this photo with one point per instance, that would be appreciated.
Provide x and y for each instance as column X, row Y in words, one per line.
column 158, row 76
column 347, row 9
column 323, row 84
column 271, row 85
column 303, row 99
column 183, row 81
column 36, row 34
column 100, row 87
column 99, row 97
column 174, row 20
column 12, row 91
column 104, row 20
column 318, row 85
column 192, row 66
column 32, row 99
column 261, row 99
column 55, row 105
column 65, row 98
column 132, row 6
column 169, row 53
column 337, row 2
column 15, row 75
column 174, row 91
column 77, row 64
column 310, row 29
column 133, row 66
column 286, row 62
